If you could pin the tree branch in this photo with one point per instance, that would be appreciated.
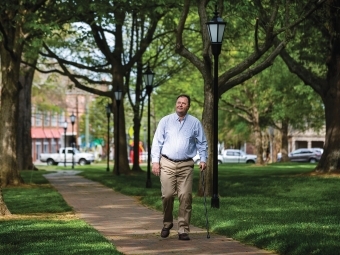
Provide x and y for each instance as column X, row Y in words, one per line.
column 74, row 77
column 244, row 73
column 180, row 49
column 51, row 54
column 306, row 76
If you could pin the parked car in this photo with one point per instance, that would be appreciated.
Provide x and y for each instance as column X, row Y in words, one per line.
column 237, row 156
column 81, row 158
column 197, row 159
column 318, row 150
column 305, row 155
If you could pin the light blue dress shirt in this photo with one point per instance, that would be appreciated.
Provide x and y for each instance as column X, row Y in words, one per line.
column 179, row 139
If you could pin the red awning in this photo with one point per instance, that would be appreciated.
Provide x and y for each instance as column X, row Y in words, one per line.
column 37, row 132
column 48, row 133
column 56, row 132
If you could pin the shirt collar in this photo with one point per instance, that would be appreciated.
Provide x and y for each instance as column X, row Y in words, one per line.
column 177, row 117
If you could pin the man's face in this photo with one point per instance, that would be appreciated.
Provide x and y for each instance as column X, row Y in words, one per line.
column 182, row 106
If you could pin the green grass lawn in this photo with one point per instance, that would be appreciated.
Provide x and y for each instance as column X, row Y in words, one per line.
column 278, row 207
column 42, row 223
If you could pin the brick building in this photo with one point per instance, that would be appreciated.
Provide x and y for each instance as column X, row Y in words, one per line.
column 307, row 139
column 48, row 132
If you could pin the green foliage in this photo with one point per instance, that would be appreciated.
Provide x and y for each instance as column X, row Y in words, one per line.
column 186, row 81
column 52, row 231
column 97, row 119
column 298, row 103
column 23, row 200
column 34, row 177
column 49, row 200
column 47, row 95
column 51, row 236
column 311, row 43
column 278, row 95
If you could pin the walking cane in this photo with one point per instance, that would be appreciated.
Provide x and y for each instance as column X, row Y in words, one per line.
column 205, row 205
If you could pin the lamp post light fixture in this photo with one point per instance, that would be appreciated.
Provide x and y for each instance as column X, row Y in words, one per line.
column 148, row 79
column 216, row 30
column 65, row 128
column 118, row 96
column 73, row 120
column 108, row 114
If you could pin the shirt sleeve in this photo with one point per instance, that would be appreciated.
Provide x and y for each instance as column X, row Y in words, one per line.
column 201, row 143
column 157, row 143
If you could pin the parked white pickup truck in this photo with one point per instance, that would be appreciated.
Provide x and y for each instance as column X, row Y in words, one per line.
column 231, row 156
column 81, row 158
column 237, row 156
column 197, row 159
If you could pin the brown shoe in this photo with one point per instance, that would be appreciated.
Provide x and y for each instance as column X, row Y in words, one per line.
column 183, row 236
column 166, row 231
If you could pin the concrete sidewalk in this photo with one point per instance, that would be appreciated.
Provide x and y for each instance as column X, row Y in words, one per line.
column 132, row 227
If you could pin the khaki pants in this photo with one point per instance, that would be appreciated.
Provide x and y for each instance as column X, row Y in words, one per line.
column 176, row 179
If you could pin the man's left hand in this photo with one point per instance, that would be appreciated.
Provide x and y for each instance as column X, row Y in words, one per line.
column 203, row 166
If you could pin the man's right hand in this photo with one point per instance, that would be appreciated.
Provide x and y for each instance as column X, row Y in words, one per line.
column 155, row 169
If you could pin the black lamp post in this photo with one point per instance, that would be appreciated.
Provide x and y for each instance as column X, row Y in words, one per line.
column 216, row 29
column 148, row 79
column 108, row 114
column 118, row 96
column 65, row 128
column 73, row 120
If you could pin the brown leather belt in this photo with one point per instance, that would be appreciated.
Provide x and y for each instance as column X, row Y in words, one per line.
column 176, row 161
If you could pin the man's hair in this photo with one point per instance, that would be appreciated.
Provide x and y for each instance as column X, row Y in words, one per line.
column 184, row 95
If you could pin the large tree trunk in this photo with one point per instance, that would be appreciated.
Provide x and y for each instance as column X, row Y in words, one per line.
column 330, row 160
column 10, row 66
column 258, row 135
column 24, row 139
column 136, row 119
column 284, row 142
column 121, row 164
column 136, row 139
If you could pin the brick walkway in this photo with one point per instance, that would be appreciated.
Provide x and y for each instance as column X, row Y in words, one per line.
column 132, row 227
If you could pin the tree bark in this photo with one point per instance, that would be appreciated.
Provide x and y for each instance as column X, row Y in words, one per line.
column 330, row 159
column 284, row 142
column 120, row 141
column 11, row 87
column 24, row 139
column 207, row 119
column 136, row 106
column 136, row 139
column 258, row 135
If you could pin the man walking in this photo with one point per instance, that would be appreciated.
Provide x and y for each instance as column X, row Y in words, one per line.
column 176, row 141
